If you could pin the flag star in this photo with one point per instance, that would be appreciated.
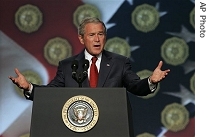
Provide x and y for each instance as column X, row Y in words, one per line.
column 130, row 2
column 184, row 34
column 185, row 95
column 164, row 130
column 106, row 12
column 109, row 25
column 162, row 13
column 188, row 66
column 132, row 48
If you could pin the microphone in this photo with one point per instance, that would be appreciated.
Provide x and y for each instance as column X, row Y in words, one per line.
column 74, row 67
column 79, row 77
column 85, row 67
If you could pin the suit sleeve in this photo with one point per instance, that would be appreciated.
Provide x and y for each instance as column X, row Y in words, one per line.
column 59, row 80
column 133, row 82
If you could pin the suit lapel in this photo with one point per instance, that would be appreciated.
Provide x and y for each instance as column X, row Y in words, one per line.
column 105, row 67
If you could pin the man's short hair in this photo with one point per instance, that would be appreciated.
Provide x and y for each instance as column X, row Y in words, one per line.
column 81, row 28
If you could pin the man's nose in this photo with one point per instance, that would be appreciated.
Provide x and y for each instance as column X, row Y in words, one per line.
column 96, row 38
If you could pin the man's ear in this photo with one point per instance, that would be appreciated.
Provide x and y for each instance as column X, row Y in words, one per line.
column 81, row 39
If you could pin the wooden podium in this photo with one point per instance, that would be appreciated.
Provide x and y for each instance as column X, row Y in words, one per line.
column 114, row 118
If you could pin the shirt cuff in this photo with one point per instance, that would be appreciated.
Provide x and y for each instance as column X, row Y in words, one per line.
column 28, row 92
column 152, row 86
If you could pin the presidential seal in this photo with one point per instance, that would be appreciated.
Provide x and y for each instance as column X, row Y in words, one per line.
column 145, row 18
column 80, row 113
column 192, row 17
column 145, row 135
column 84, row 11
column 32, row 77
column 175, row 117
column 57, row 49
column 174, row 51
column 145, row 74
column 192, row 83
column 28, row 18
column 119, row 46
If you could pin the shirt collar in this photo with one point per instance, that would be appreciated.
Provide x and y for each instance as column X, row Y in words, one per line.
column 89, row 57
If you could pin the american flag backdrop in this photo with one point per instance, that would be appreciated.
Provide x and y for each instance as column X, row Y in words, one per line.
column 149, row 30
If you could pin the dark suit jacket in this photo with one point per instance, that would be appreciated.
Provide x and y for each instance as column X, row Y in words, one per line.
column 115, row 71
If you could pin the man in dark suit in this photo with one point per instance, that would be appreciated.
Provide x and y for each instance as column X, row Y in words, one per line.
column 113, row 70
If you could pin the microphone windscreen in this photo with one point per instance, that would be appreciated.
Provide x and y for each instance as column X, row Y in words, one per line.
column 74, row 64
column 85, row 64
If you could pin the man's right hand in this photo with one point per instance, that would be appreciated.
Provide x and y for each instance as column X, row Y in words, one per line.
column 20, row 80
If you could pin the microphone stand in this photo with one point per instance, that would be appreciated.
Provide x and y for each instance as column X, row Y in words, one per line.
column 79, row 77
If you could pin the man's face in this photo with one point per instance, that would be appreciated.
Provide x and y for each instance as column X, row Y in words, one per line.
column 94, row 38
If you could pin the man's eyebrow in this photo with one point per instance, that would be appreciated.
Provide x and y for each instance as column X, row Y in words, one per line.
column 96, row 32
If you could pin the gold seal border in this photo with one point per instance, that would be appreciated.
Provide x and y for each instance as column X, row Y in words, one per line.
column 65, row 113
column 122, row 42
column 165, row 48
column 166, row 114
column 89, row 10
column 145, row 134
column 192, row 83
column 146, row 27
column 192, row 17
column 32, row 27
column 59, row 41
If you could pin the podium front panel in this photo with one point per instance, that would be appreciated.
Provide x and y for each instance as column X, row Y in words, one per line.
column 114, row 112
